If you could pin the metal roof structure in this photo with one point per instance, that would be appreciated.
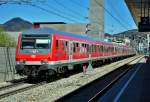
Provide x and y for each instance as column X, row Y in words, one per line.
column 138, row 8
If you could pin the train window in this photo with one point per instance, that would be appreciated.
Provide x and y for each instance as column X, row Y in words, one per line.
column 101, row 48
column 42, row 43
column 35, row 43
column 105, row 48
column 77, row 47
column 77, row 44
column 63, row 46
column 91, row 48
column 66, row 44
column 57, row 44
column 98, row 48
column 83, row 48
column 28, row 44
column 94, row 48
column 88, row 48
column 108, row 49
column 74, row 47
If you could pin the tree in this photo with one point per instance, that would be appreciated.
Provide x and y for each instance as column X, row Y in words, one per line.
column 6, row 40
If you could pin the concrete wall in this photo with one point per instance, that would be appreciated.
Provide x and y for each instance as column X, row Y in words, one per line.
column 72, row 28
column 96, row 22
column 7, row 63
column 96, row 18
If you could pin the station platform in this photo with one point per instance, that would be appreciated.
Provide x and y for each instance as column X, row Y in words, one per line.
column 133, row 87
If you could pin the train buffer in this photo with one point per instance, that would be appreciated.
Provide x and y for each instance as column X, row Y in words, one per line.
column 133, row 87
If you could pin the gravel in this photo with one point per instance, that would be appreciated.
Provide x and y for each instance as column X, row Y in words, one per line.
column 54, row 90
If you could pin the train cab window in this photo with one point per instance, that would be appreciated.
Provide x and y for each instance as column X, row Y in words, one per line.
column 35, row 43
column 28, row 44
column 42, row 43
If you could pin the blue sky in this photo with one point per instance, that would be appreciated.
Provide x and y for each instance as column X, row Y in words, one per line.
column 73, row 11
column 120, row 11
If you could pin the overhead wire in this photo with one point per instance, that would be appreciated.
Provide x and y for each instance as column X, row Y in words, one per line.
column 62, row 12
column 118, row 14
column 66, row 8
column 52, row 12
column 26, row 2
column 71, row 10
column 78, row 4
column 116, row 19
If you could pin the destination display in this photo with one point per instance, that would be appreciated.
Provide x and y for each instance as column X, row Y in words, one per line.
column 144, row 25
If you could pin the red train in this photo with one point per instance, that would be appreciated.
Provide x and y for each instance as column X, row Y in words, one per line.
column 45, row 51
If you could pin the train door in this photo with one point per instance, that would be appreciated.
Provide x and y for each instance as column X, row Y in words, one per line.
column 58, row 50
column 70, row 50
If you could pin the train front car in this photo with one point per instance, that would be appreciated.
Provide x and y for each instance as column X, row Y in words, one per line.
column 33, row 52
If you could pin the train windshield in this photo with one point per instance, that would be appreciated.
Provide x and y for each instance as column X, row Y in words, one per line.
column 35, row 44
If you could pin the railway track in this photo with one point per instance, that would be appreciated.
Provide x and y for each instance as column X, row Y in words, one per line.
column 20, row 86
column 92, row 91
column 13, row 83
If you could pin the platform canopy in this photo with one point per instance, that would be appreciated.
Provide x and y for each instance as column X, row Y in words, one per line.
column 137, row 7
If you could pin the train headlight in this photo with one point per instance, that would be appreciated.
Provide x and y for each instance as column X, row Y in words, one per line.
column 44, row 62
column 21, row 62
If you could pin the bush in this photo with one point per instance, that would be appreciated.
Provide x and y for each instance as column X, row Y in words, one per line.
column 6, row 40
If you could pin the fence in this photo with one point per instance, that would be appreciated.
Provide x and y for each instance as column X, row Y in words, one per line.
column 7, row 63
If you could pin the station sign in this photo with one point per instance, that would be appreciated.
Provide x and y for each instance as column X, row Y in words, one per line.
column 144, row 25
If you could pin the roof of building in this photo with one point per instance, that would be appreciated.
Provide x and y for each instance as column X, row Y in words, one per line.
column 49, row 23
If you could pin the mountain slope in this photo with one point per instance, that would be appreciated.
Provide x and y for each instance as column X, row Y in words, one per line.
column 17, row 24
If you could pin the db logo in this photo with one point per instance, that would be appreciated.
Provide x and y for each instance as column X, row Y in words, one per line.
column 33, row 56
column 34, row 51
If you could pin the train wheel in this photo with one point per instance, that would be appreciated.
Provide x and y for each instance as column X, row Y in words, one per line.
column 31, row 79
column 50, row 75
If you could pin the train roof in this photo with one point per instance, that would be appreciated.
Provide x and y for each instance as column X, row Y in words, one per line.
column 52, row 31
